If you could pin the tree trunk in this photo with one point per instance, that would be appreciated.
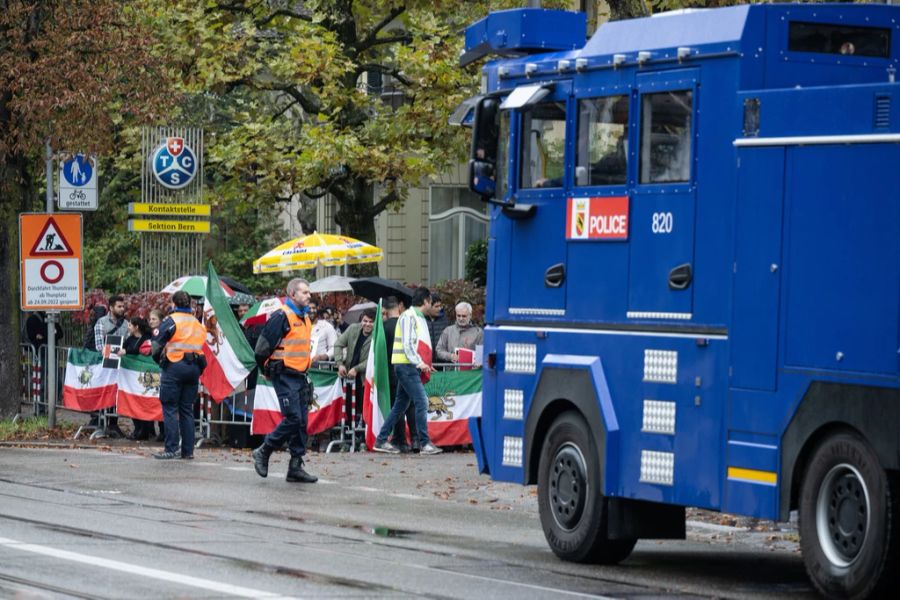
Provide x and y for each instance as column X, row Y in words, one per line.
column 355, row 217
column 10, row 203
column 354, row 212
column 627, row 9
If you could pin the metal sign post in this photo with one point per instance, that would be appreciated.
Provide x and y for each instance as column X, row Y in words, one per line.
column 51, row 314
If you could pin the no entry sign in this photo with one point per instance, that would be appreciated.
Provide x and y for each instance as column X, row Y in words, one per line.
column 50, row 259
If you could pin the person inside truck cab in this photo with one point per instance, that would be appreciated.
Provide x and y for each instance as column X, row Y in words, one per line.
column 601, row 143
column 609, row 169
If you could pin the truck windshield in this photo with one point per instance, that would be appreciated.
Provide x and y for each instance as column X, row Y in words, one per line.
column 543, row 145
column 602, row 141
column 666, row 137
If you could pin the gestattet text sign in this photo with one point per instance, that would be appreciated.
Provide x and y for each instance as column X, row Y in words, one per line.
column 50, row 253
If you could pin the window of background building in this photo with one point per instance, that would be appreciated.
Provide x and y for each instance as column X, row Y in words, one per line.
column 457, row 218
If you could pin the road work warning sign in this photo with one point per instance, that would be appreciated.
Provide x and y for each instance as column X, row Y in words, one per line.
column 50, row 261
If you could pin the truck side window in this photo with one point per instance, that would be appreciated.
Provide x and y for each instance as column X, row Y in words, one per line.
column 839, row 39
column 666, row 137
column 543, row 145
column 602, row 141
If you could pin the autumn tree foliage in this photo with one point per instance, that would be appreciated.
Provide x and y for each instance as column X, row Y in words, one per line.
column 72, row 73
column 342, row 97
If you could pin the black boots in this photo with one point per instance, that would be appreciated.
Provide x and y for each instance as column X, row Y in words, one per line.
column 295, row 469
column 261, row 460
column 296, row 472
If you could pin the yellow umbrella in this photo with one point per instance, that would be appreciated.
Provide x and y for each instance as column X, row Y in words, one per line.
column 317, row 249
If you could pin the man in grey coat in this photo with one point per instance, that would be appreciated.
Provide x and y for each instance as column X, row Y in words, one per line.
column 463, row 334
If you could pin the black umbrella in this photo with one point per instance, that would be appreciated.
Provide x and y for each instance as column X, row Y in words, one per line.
column 235, row 285
column 373, row 288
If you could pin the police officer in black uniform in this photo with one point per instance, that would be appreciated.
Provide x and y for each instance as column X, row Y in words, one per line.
column 283, row 355
column 178, row 348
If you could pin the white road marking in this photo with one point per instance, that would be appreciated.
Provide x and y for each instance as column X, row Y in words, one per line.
column 240, row 468
column 105, row 563
column 407, row 496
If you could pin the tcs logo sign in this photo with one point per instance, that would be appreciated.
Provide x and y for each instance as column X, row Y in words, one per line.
column 173, row 164
column 597, row 218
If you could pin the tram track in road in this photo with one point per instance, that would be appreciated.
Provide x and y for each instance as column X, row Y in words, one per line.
column 32, row 584
column 460, row 549
column 319, row 578
column 349, row 537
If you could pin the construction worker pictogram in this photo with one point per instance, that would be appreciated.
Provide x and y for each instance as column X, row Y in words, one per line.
column 51, row 242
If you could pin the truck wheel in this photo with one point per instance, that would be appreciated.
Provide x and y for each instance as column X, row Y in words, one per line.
column 849, row 520
column 571, row 506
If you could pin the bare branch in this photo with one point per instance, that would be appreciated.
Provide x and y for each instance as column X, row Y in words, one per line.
column 310, row 105
column 371, row 38
column 326, row 186
column 288, row 107
column 392, row 71
column 383, row 203
column 291, row 14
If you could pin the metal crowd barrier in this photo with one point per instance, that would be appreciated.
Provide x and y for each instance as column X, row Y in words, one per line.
column 236, row 410
column 29, row 378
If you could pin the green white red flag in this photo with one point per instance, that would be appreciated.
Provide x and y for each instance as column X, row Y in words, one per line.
column 138, row 394
column 377, row 395
column 229, row 357
column 325, row 412
column 88, row 386
column 453, row 398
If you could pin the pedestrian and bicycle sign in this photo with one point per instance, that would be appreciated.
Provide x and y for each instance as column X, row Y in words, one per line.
column 173, row 163
column 78, row 183
column 52, row 276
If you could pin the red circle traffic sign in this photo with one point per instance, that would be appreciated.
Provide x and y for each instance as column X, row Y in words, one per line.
column 59, row 269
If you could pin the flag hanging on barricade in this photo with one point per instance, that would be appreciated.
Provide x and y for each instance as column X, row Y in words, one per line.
column 453, row 397
column 138, row 395
column 229, row 357
column 377, row 395
column 324, row 413
column 88, row 385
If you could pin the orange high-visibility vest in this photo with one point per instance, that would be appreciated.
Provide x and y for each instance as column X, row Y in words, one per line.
column 295, row 346
column 189, row 336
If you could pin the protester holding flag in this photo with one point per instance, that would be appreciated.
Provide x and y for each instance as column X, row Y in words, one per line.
column 411, row 357
column 178, row 348
column 138, row 344
column 392, row 310
column 283, row 356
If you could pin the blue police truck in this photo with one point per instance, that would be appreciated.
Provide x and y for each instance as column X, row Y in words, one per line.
column 694, row 275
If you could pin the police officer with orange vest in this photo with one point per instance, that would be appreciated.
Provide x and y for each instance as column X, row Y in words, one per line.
column 283, row 355
column 178, row 348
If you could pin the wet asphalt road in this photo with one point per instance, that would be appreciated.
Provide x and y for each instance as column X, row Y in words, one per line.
column 114, row 523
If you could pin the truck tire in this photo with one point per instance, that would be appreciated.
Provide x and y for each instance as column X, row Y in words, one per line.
column 570, row 502
column 849, row 520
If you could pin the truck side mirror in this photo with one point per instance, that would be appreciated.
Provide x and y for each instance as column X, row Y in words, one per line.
column 482, row 178
column 483, row 160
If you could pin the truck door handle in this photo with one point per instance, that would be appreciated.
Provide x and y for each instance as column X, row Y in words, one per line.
column 680, row 277
column 555, row 276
